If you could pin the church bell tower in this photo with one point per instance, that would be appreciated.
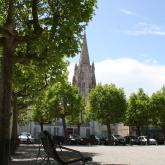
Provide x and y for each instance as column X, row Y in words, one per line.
column 84, row 73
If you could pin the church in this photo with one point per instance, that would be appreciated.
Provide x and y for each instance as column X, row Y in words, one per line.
column 84, row 73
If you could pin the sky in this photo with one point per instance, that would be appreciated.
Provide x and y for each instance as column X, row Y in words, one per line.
column 126, row 41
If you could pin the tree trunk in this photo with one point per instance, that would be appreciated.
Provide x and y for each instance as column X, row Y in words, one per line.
column 163, row 129
column 42, row 127
column 78, row 129
column 109, row 132
column 64, row 127
column 138, row 133
column 14, row 135
column 5, row 108
column 148, row 135
column 9, row 45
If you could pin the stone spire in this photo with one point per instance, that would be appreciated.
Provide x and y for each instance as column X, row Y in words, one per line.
column 84, row 73
column 84, row 57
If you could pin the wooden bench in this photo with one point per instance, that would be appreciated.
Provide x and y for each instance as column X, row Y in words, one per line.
column 62, row 155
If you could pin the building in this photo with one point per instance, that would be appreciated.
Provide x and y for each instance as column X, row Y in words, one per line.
column 84, row 73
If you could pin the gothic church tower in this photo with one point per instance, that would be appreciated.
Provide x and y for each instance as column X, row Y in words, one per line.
column 84, row 73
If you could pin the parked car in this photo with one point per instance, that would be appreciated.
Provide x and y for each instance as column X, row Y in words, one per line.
column 74, row 140
column 117, row 140
column 94, row 140
column 142, row 140
column 25, row 137
column 131, row 140
column 160, row 140
column 58, row 139
column 84, row 141
column 102, row 141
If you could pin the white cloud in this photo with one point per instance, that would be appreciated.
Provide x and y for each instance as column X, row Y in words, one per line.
column 143, row 28
column 71, row 71
column 127, row 12
column 129, row 74
column 131, row 13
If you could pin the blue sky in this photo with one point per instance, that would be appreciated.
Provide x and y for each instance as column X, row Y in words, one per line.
column 127, row 37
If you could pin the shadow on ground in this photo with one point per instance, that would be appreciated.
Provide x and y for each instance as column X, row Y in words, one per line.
column 27, row 154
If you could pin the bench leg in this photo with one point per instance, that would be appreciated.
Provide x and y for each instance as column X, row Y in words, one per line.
column 38, row 154
column 48, row 161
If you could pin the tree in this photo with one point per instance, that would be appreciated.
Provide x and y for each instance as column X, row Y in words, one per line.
column 64, row 98
column 34, row 31
column 158, row 108
column 78, row 116
column 40, row 111
column 61, row 100
column 29, row 81
column 138, row 111
column 107, row 105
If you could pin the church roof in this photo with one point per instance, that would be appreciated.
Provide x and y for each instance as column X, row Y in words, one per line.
column 84, row 57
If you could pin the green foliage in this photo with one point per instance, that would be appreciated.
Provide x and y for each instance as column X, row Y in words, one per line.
column 138, row 111
column 30, row 81
column 78, row 116
column 107, row 103
column 44, row 40
column 32, row 78
column 58, row 100
column 40, row 111
column 2, row 12
column 63, row 98
column 56, row 29
column 25, row 116
column 158, row 107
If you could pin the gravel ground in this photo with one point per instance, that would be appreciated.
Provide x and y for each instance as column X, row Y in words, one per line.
column 107, row 155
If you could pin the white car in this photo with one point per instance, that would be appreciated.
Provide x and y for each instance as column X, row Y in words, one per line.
column 143, row 140
column 26, row 137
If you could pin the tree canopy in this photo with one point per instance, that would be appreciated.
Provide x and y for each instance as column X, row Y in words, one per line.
column 158, row 108
column 60, row 100
column 107, row 104
column 138, row 111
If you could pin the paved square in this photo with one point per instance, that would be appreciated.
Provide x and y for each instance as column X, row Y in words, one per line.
column 131, row 155
column 107, row 155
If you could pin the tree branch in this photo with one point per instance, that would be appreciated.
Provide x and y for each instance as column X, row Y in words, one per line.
column 36, row 25
column 21, row 60
column 35, row 22
column 5, row 31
